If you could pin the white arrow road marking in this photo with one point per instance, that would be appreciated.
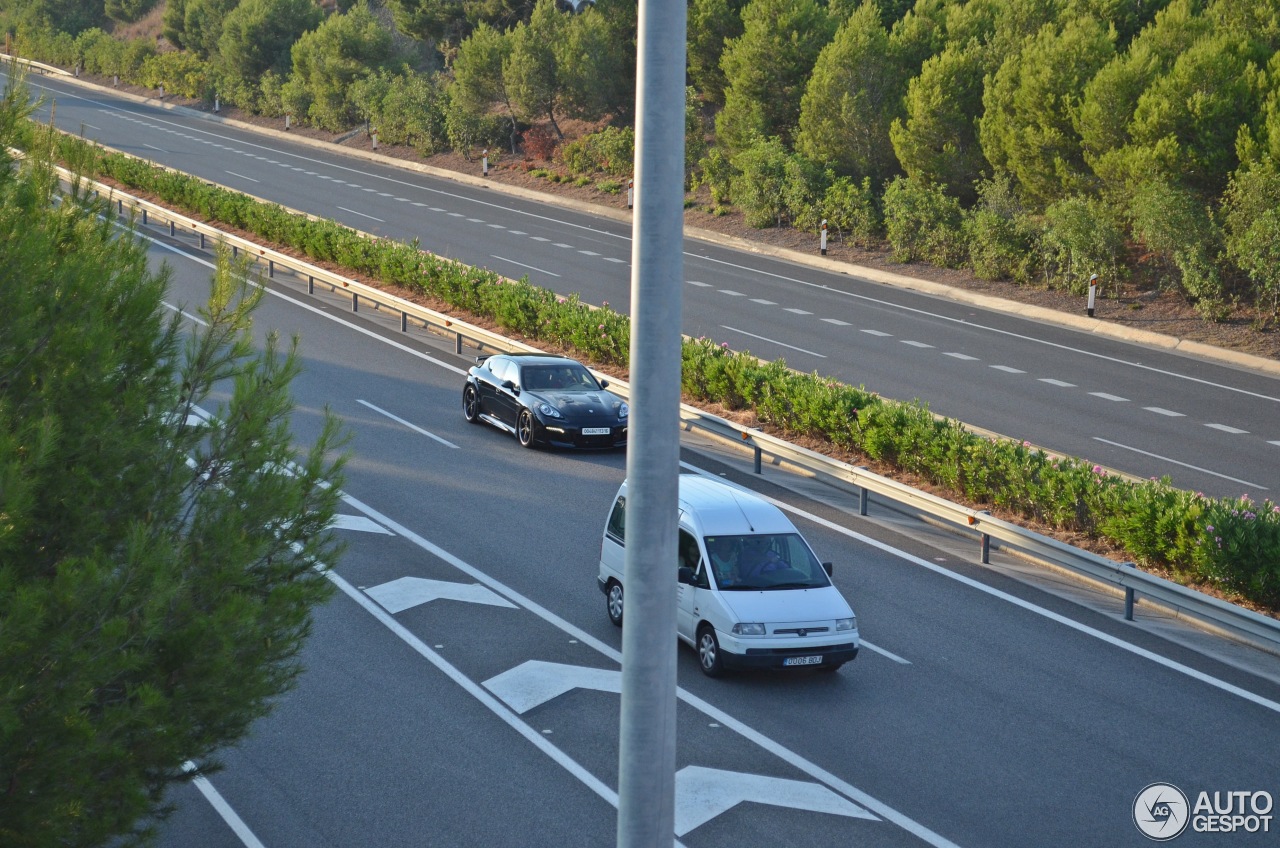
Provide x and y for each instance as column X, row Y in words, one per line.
column 407, row 592
column 536, row 682
column 358, row 522
column 704, row 793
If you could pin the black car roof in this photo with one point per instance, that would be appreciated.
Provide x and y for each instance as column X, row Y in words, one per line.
column 528, row 358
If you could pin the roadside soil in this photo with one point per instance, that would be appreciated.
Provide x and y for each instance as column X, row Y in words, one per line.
column 1149, row 308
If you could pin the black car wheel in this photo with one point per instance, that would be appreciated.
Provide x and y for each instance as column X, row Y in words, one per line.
column 709, row 652
column 613, row 602
column 471, row 404
column 524, row 429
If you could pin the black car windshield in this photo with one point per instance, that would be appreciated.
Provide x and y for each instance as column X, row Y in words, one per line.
column 566, row 376
column 768, row 561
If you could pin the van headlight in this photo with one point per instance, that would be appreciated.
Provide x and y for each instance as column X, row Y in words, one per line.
column 846, row 624
column 750, row 628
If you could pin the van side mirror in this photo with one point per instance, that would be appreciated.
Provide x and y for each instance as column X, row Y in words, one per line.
column 685, row 575
column 826, row 566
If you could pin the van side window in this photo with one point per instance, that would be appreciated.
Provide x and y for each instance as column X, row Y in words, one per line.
column 691, row 557
column 617, row 528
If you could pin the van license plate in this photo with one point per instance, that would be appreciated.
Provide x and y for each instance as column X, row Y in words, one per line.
column 802, row 661
column 595, row 431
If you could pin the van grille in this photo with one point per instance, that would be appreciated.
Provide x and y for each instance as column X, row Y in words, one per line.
column 800, row 631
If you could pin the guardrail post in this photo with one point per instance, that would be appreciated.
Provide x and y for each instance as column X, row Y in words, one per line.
column 1128, row 596
column 355, row 302
column 173, row 229
column 235, row 251
column 202, row 241
column 986, row 538
column 144, row 217
column 119, row 207
column 311, row 284
column 457, row 343
column 404, row 321
column 271, row 269
column 864, row 495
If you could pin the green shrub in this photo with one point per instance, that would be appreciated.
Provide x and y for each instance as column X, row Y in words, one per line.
column 611, row 150
column 1081, row 238
column 852, row 208
column 923, row 223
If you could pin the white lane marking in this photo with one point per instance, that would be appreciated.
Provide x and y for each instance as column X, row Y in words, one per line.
column 836, row 321
column 409, row 592
column 501, row 227
column 435, row 208
column 699, row 284
column 798, row 311
column 402, row 200
column 561, row 244
column 704, row 793
column 384, row 194
column 456, row 215
column 358, row 523
column 615, row 259
column 876, row 333
column 1008, row 370
column 1060, row 383
column 1235, row 431
column 539, row 238
column 1273, row 443
column 361, row 214
column 518, row 233
column 534, row 682
column 411, row 426
column 772, row 341
column 197, row 319
column 474, row 690
column 91, row 126
column 763, row 302
column 416, row 203
column 882, row 652
column 966, row 357
column 972, row 326
column 714, row 713
column 241, row 176
column 1176, row 462
column 323, row 177
column 731, row 292
column 1162, row 411
column 1115, row 641
column 522, row 265
column 475, row 220
column 915, row 344
column 315, row 310
column 220, row 805
column 153, row 147
column 1106, row 396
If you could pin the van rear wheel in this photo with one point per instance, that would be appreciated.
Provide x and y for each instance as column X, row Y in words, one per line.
column 709, row 652
column 613, row 602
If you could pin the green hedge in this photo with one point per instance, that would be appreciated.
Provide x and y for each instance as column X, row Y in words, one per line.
column 1231, row 543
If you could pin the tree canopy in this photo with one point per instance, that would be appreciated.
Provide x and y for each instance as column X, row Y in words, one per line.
column 157, row 568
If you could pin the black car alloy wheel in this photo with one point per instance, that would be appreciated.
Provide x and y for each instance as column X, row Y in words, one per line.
column 471, row 404
column 524, row 428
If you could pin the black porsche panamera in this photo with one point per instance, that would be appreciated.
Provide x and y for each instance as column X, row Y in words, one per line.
column 544, row 399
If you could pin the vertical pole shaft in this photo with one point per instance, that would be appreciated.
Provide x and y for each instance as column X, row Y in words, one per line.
column 647, row 730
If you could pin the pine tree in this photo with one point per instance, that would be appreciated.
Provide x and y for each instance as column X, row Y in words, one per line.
column 156, row 574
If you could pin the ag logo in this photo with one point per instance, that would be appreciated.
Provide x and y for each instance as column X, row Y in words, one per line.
column 1161, row 811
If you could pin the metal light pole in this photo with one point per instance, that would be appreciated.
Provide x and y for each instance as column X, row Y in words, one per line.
column 647, row 729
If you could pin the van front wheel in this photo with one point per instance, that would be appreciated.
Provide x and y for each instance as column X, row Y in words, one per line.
column 613, row 602
column 709, row 652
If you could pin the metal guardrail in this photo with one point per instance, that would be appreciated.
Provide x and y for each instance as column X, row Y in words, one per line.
column 1208, row 612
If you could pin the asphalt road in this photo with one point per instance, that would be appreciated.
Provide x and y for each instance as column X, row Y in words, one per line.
column 1145, row 411
column 460, row 686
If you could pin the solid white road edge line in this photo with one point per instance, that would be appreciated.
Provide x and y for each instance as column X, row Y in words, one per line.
column 219, row 804
column 413, row 427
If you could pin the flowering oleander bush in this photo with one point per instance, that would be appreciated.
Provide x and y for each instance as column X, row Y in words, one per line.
column 1232, row 543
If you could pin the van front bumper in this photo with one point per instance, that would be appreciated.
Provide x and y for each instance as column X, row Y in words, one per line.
column 777, row 657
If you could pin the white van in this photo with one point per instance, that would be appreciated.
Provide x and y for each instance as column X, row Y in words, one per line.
column 751, row 593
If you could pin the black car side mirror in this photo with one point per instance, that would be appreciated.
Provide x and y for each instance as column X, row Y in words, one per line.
column 685, row 575
column 604, row 384
column 826, row 566
column 510, row 386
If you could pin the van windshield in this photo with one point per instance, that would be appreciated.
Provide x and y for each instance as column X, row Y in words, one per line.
column 764, row 561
